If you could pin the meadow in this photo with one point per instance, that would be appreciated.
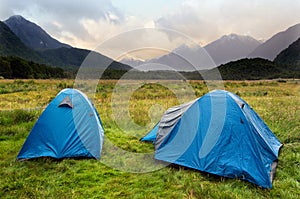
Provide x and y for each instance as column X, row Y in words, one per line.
column 121, row 171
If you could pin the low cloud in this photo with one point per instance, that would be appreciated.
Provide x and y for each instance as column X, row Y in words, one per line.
column 207, row 20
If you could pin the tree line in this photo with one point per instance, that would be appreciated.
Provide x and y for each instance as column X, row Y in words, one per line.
column 15, row 67
column 244, row 69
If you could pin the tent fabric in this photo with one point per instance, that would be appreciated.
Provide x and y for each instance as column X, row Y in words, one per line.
column 221, row 134
column 151, row 136
column 69, row 127
column 171, row 116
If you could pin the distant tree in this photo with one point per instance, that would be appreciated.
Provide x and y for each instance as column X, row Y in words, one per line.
column 20, row 69
column 5, row 69
column 14, row 67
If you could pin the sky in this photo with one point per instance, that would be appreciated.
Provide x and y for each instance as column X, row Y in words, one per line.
column 87, row 24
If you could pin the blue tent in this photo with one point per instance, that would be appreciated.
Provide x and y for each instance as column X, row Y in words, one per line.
column 151, row 136
column 218, row 133
column 69, row 127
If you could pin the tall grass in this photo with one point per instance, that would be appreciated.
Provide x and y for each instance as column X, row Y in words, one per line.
column 278, row 103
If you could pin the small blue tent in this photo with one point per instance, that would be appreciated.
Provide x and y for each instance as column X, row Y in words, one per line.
column 218, row 133
column 69, row 127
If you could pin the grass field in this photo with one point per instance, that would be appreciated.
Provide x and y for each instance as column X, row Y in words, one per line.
column 22, row 101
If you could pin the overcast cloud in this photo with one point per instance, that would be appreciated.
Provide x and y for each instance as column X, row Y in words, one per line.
column 207, row 20
column 87, row 23
column 67, row 20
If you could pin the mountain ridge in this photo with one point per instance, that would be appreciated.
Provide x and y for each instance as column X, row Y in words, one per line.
column 187, row 58
column 290, row 56
column 183, row 58
column 278, row 42
column 11, row 45
column 32, row 35
column 231, row 47
column 64, row 57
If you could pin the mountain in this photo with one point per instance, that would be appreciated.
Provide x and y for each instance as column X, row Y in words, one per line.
column 280, row 41
column 290, row 56
column 191, row 57
column 183, row 58
column 132, row 61
column 64, row 57
column 231, row 48
column 32, row 35
column 11, row 45
column 72, row 58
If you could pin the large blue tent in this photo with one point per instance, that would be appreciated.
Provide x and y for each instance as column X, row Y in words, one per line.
column 218, row 133
column 69, row 127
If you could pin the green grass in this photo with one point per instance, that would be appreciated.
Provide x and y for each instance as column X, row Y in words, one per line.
column 277, row 102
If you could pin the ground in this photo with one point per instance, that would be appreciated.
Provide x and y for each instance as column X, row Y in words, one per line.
column 121, row 173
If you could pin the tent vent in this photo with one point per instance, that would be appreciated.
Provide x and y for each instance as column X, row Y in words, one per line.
column 66, row 102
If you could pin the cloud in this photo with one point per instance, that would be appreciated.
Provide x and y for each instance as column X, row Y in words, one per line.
column 65, row 20
column 207, row 20
column 86, row 24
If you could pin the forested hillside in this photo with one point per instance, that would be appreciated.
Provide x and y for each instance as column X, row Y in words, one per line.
column 290, row 56
column 14, row 67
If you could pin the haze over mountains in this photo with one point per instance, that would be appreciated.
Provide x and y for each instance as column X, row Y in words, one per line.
column 189, row 58
column 183, row 58
column 231, row 48
column 22, row 38
column 228, row 48
column 225, row 49
column 280, row 41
